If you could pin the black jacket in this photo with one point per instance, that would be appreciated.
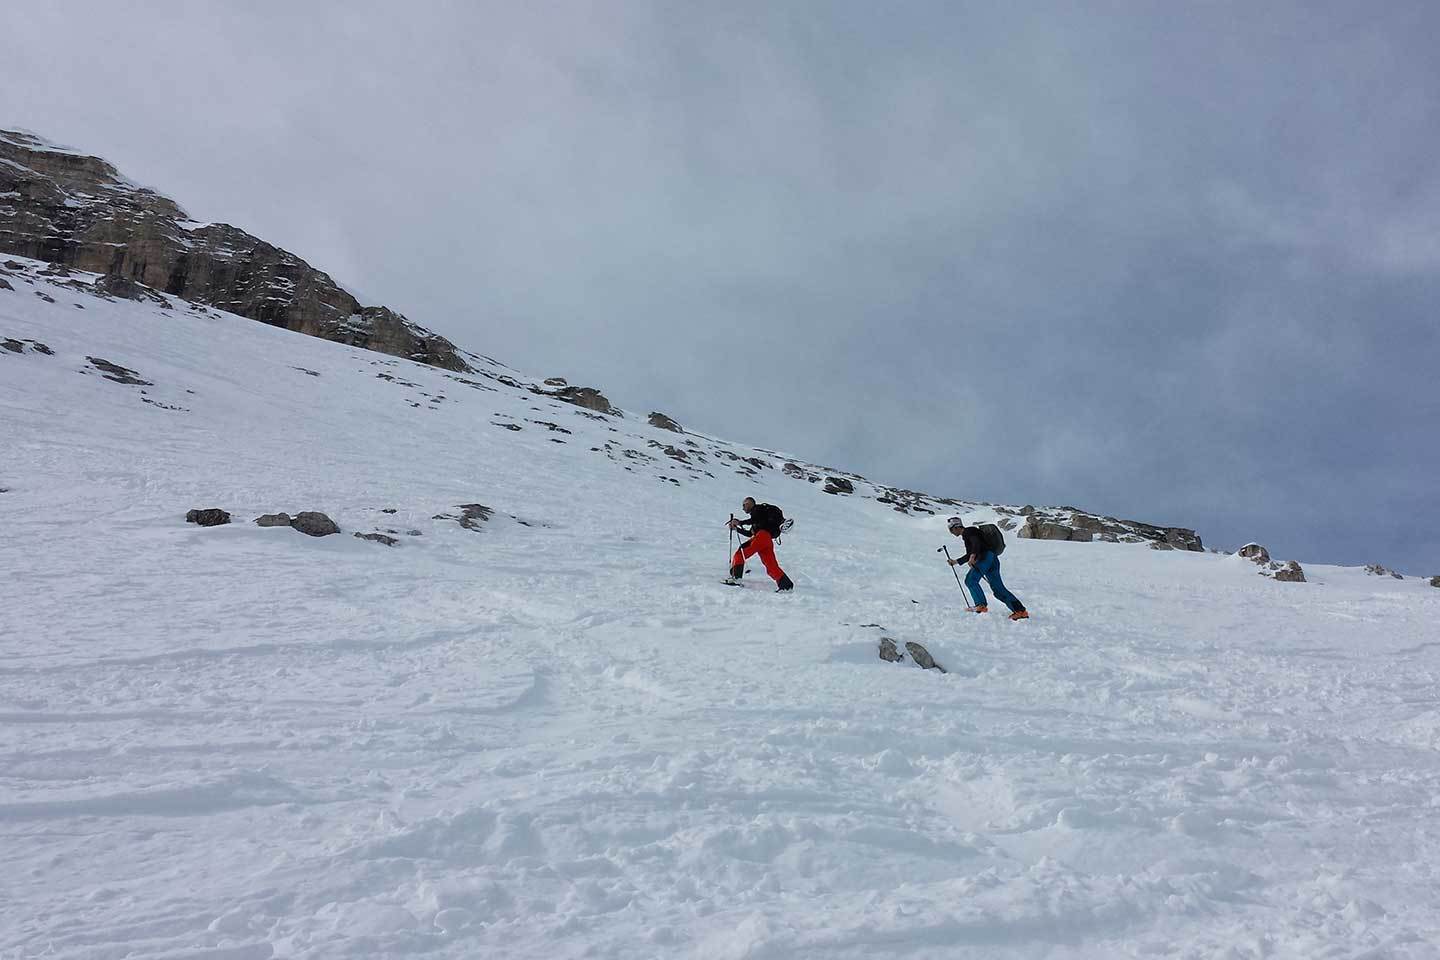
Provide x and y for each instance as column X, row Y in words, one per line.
column 974, row 543
column 764, row 517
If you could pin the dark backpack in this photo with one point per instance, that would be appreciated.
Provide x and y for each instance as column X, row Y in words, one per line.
column 993, row 538
column 769, row 518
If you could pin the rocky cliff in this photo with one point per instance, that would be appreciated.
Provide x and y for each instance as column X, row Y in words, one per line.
column 66, row 208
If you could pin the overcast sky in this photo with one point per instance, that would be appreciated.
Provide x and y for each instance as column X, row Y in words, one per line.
column 1178, row 262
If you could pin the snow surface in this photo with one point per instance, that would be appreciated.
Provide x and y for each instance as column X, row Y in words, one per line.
column 558, row 735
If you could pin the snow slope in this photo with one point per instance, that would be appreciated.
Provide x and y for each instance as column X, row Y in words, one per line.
column 557, row 735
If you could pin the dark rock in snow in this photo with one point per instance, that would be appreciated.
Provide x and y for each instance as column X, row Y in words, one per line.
column 5, row 284
column 117, row 373
column 114, row 285
column 14, row 346
column 1290, row 572
column 1434, row 581
column 888, row 651
column 208, row 517
column 314, row 524
column 922, row 656
column 838, row 485
column 556, row 382
column 378, row 538
column 471, row 515
column 658, row 419
column 1376, row 570
column 273, row 520
column 587, row 397
column 1254, row 552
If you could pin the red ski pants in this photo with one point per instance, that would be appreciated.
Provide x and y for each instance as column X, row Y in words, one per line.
column 763, row 544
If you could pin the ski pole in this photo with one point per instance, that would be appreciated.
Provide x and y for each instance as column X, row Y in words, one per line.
column 957, row 576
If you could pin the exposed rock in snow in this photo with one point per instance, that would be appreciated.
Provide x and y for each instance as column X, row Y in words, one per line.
column 471, row 515
column 1255, row 552
column 273, row 520
column 315, row 524
column 117, row 373
column 208, row 517
column 1375, row 569
column 658, row 419
column 1290, row 572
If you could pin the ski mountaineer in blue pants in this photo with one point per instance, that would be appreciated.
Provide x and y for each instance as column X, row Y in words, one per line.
column 984, row 563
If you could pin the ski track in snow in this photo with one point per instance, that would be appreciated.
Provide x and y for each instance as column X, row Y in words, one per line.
column 568, row 739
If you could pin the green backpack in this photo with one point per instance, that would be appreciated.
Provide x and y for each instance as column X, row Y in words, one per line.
column 993, row 538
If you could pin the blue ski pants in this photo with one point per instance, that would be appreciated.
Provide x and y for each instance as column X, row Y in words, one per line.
column 988, row 567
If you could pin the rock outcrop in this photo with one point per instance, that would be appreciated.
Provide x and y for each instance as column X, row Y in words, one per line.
column 77, row 211
column 1048, row 530
column 314, row 524
column 1290, row 572
column 658, row 419
column 208, row 517
column 1255, row 552
column 1376, row 570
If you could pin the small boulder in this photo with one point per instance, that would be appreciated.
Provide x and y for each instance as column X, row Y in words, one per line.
column 5, row 284
column 556, row 382
column 378, row 538
column 1375, row 570
column 314, row 524
column 889, row 652
column 1435, row 581
column 273, row 520
column 658, row 419
column 208, row 517
column 1290, row 572
column 1254, row 552
column 837, row 485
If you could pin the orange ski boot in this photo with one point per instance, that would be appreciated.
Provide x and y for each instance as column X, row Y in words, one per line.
column 1020, row 615
column 982, row 609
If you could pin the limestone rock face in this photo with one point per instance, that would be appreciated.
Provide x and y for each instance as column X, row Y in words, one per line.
column 79, row 212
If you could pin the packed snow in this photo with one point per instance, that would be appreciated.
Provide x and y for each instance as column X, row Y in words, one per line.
column 557, row 734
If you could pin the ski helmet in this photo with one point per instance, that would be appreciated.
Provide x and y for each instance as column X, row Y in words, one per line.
column 955, row 523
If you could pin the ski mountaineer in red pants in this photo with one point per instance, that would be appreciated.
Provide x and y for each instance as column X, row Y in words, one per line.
column 763, row 527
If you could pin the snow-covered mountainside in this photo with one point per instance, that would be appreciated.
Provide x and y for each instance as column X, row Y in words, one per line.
column 537, row 725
